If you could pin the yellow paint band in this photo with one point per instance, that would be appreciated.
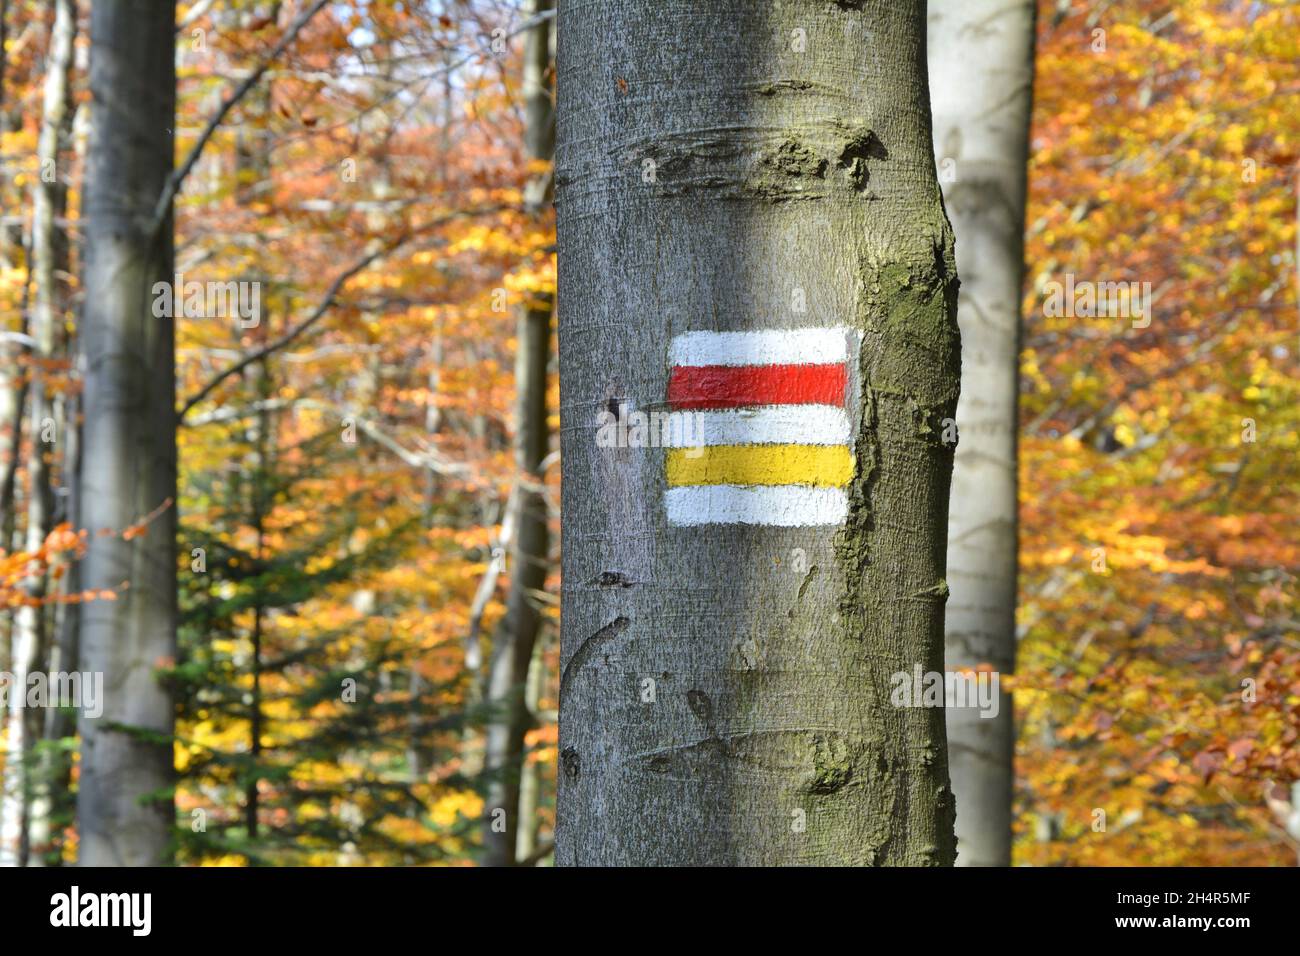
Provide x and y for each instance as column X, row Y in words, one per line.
column 819, row 466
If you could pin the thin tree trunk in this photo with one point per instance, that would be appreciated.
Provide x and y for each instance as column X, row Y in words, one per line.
column 124, row 803
column 7, row 244
column 49, row 263
column 4, row 63
column 261, row 502
column 61, row 723
column 735, row 615
column 255, row 715
column 55, row 773
column 510, row 717
column 432, row 425
column 981, row 82
column 253, row 168
column 13, row 399
column 12, row 394
column 530, row 778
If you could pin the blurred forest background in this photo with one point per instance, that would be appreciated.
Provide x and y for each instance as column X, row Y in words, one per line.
column 348, row 466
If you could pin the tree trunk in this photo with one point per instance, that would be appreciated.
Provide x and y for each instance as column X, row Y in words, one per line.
column 510, row 717
column 9, row 245
column 530, row 778
column 261, row 500
column 737, row 609
column 981, row 82
column 12, row 393
column 49, row 263
column 253, row 171
column 124, row 802
column 55, row 768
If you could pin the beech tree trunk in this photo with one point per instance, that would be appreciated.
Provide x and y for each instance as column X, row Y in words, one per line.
column 981, row 81
column 510, row 716
column 734, row 617
column 124, row 802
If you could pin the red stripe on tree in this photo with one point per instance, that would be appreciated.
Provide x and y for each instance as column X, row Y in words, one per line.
column 729, row 386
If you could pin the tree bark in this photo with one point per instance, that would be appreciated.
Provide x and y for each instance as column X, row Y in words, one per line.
column 55, row 766
column 981, row 81
column 530, row 778
column 726, row 680
column 509, row 715
column 49, row 263
column 124, row 802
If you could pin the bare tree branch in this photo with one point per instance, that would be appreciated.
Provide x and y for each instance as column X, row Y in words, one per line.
column 178, row 175
column 317, row 314
column 427, row 460
column 194, row 13
column 325, row 304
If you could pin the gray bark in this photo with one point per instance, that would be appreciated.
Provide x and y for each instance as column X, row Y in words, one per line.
column 54, row 774
column 510, row 716
column 49, row 262
column 124, row 805
column 726, row 688
column 981, row 80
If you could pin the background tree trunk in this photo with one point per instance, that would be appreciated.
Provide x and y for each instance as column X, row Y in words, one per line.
column 124, row 802
column 54, row 796
column 981, row 82
column 726, row 687
column 530, row 778
column 12, row 391
column 510, row 717
column 9, row 244
column 22, row 789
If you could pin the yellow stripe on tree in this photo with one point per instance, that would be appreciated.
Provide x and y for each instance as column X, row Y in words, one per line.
column 819, row 466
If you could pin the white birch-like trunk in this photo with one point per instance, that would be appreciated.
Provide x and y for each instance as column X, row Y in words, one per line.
column 981, row 82
column 49, row 259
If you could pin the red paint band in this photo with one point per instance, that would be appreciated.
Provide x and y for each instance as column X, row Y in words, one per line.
column 732, row 386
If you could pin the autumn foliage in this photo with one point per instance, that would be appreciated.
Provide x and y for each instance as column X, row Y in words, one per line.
column 346, row 461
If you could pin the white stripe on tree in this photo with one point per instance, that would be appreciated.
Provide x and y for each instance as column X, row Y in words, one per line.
column 785, row 506
column 765, row 347
column 759, row 425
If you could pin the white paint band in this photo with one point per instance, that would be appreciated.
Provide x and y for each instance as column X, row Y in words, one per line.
column 766, row 347
column 759, row 425
column 785, row 506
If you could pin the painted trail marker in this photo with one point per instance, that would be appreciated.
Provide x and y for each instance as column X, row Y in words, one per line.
column 771, row 435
